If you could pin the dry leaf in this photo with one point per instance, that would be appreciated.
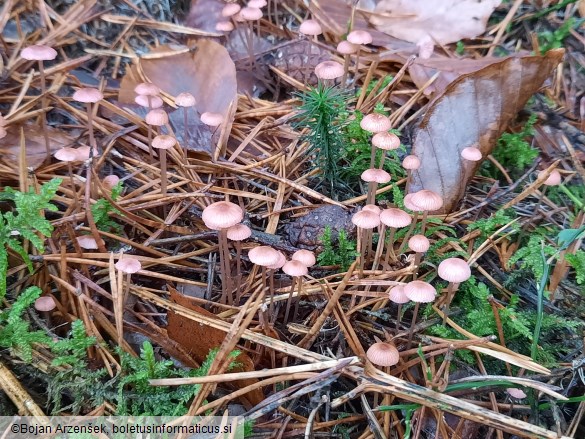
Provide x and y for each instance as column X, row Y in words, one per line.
column 474, row 110
column 445, row 21
column 199, row 339
column 35, row 144
column 204, row 14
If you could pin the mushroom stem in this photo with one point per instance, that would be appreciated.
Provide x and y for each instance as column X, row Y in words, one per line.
column 290, row 295
column 298, row 301
column 224, row 256
column 410, row 230
column 44, row 104
column 90, row 221
column 398, row 314
column 390, row 248
column 238, row 271
column 249, row 43
column 271, row 316
column 451, row 289
column 417, row 258
column 380, row 247
column 73, row 187
column 361, row 251
column 423, row 223
column 185, row 122
column 163, row 171
column 150, row 150
column 357, row 63
column 345, row 70
column 92, row 144
column 412, row 323
column 371, row 197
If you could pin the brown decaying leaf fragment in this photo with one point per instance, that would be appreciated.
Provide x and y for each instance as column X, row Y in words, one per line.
column 200, row 339
column 475, row 109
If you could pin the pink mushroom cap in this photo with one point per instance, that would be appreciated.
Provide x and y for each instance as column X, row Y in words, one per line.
column 157, row 117
column 471, row 153
column 45, row 304
column 375, row 175
column 420, row 291
column 395, row 218
column 147, row 89
column 375, row 123
column 366, row 219
column 397, row 295
column 148, row 101
column 454, row 270
column 359, row 37
column 385, row 140
column 310, row 27
column 88, row 95
column 427, row 200
column 329, row 70
column 383, row 354
column 212, row 119
column 239, row 232
column 222, row 215
column 263, row 255
column 411, row 162
column 128, row 265
column 38, row 52
column 305, row 257
column 346, row 48
column 419, row 243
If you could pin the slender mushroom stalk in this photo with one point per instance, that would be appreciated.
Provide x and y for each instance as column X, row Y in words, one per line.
column 359, row 38
column 419, row 292
column 156, row 117
column 69, row 155
column 365, row 220
column 89, row 96
column 125, row 265
column 162, row 142
column 264, row 256
column 375, row 123
column 41, row 53
column 226, row 27
column 311, row 29
column 397, row 296
column 374, row 177
column 186, row 100
column 250, row 14
column 221, row 216
column 410, row 206
column 454, row 271
column 273, row 267
column 346, row 49
column 238, row 233
column 394, row 219
column 410, row 163
column 383, row 355
column 307, row 259
column 418, row 244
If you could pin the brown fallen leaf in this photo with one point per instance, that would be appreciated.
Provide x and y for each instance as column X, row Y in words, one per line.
column 475, row 110
column 34, row 142
column 447, row 21
column 199, row 340
column 207, row 72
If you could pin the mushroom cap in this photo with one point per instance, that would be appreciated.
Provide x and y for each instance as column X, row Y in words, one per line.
column 110, row 181
column 224, row 26
column 263, row 255
column 163, row 141
column 346, row 48
column 279, row 263
column 376, row 175
column 251, row 14
column 222, row 215
column 38, row 52
column 45, row 304
column 305, row 257
column 66, row 154
column 419, row 291
column 257, row 3
column 383, row 354
column 149, row 101
column 230, row 9
column 419, row 243
column 471, row 153
column 372, row 208
column 310, row 27
column 554, row 178
column 87, row 242
column 427, row 200
column 366, row 219
column 329, row 70
column 409, row 204
column 83, row 153
column 157, row 117
column 397, row 295
column 386, row 141
column 128, row 265
column 516, row 393
column 295, row 268
column 411, row 162
column 212, row 119
column 187, row 99
column 395, row 218
column 88, row 95
column 239, row 232
column 454, row 270
column 375, row 123
column 147, row 88
column 359, row 37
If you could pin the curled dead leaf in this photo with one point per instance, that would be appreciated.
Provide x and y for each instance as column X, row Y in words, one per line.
column 475, row 110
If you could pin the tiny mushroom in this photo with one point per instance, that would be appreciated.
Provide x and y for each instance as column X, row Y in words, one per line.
column 89, row 96
column 419, row 292
column 365, row 220
column 295, row 269
column 41, row 53
column 187, row 100
column 454, row 271
column 156, row 117
column 359, row 38
column 398, row 296
column 385, row 141
column 328, row 70
column 69, row 155
column 346, row 49
column 162, row 142
column 418, row 244
column 383, row 354
column 427, row 201
column 471, row 153
column 373, row 177
column 394, row 219
column 44, row 305
column 220, row 216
